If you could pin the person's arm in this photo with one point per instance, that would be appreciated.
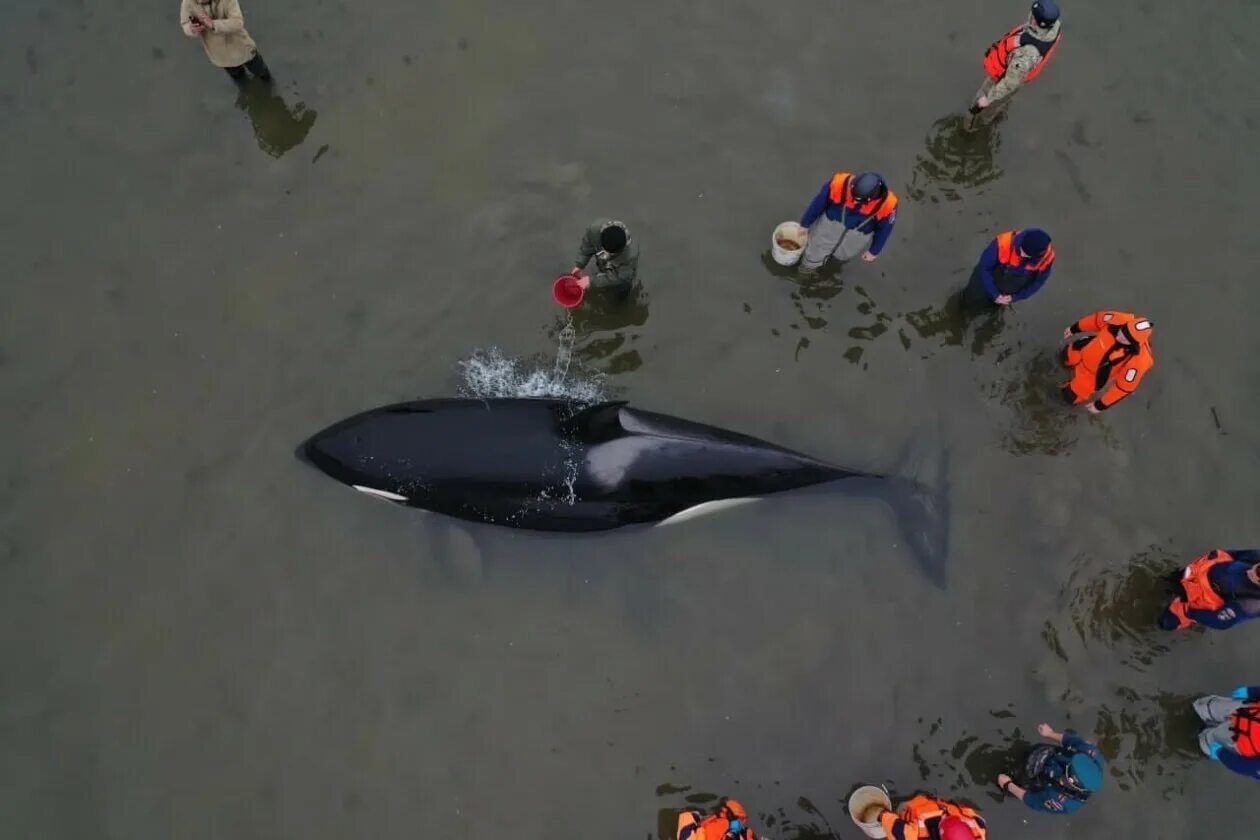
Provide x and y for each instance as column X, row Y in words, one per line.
column 988, row 262
column 1032, row 288
column 1243, row 766
column 620, row 273
column 1021, row 62
column 232, row 20
column 1222, row 619
column 1049, row 801
column 588, row 247
column 186, row 13
column 1246, row 555
column 817, row 206
column 883, row 229
column 897, row 828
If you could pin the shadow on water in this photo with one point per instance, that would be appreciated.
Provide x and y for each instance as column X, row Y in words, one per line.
column 278, row 128
column 602, row 339
column 954, row 158
column 952, row 321
column 974, row 760
column 1118, row 607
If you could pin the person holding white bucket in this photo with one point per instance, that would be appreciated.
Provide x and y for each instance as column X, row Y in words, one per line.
column 850, row 215
column 927, row 818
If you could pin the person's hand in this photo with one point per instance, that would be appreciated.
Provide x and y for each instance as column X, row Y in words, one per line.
column 207, row 22
column 584, row 282
column 1213, row 750
column 982, row 101
column 577, row 271
column 1004, row 300
column 869, row 257
column 1045, row 730
column 1067, row 332
column 1004, row 780
column 1093, row 408
column 1227, row 614
column 1240, row 693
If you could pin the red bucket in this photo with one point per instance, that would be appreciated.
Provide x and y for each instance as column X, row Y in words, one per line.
column 568, row 291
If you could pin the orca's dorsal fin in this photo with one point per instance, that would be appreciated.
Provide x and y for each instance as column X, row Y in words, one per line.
column 595, row 423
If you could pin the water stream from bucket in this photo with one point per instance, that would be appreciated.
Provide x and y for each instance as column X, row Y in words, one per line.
column 489, row 374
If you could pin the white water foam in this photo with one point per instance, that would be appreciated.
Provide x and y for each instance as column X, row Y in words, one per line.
column 489, row 373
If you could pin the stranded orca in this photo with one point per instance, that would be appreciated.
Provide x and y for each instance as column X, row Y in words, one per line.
column 550, row 465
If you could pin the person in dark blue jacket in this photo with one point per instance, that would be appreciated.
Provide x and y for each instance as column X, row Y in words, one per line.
column 850, row 215
column 1014, row 267
column 1061, row 776
column 1232, row 731
column 1219, row 590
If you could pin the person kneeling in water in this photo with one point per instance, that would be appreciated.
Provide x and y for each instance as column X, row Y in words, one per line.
column 1231, row 732
column 1219, row 590
column 1061, row 776
column 729, row 823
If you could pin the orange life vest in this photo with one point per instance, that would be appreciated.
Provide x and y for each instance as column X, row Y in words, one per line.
column 1245, row 725
column 922, row 814
column 842, row 193
column 1102, row 362
column 691, row 826
column 1008, row 254
column 998, row 55
column 1197, row 584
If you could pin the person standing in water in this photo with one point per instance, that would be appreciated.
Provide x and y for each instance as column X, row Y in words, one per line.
column 850, row 215
column 1231, row 734
column 1062, row 775
column 616, row 257
column 221, row 27
column 1016, row 59
column 1014, row 267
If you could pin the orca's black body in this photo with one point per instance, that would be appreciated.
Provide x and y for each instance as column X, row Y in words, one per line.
column 549, row 465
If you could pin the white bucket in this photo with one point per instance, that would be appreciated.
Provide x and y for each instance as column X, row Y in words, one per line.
column 789, row 232
column 866, row 798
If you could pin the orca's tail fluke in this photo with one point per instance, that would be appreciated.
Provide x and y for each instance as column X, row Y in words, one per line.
column 922, row 512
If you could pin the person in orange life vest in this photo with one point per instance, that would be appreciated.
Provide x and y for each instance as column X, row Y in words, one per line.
column 729, row 823
column 1218, row 590
column 1017, row 58
column 1014, row 267
column 1061, row 775
column 1108, row 352
column 1232, row 732
column 927, row 818
column 850, row 215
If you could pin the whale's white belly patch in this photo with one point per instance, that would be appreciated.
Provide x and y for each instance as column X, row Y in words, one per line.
column 380, row 494
column 703, row 508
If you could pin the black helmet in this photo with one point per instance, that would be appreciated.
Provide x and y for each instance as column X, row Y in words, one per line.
column 868, row 186
column 613, row 237
column 1045, row 12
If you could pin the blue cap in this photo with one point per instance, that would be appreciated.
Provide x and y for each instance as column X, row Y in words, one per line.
column 1034, row 242
column 1086, row 772
column 1045, row 12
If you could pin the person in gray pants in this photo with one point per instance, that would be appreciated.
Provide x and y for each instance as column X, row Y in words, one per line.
column 850, row 215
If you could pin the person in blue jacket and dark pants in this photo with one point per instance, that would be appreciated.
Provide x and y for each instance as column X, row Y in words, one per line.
column 1014, row 267
column 1061, row 776
column 1231, row 734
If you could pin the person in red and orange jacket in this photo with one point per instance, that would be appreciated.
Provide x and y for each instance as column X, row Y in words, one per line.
column 1017, row 58
column 729, row 823
column 1218, row 590
column 1108, row 353
column 928, row 818
column 1231, row 729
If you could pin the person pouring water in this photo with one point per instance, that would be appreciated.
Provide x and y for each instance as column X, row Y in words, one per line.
column 616, row 257
column 850, row 215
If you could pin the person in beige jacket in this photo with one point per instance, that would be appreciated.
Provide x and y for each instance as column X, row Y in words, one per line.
column 221, row 28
